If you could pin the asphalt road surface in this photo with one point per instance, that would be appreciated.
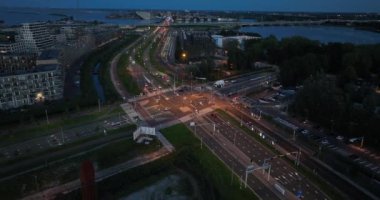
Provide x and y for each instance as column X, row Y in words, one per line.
column 281, row 171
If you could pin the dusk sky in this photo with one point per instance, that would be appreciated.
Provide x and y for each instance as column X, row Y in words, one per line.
column 253, row 5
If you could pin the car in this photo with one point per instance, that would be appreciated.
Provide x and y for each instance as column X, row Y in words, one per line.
column 340, row 138
column 325, row 142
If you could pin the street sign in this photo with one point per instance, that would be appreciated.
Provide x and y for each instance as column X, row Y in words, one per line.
column 250, row 167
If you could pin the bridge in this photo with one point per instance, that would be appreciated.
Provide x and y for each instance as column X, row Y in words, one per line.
column 280, row 23
column 283, row 23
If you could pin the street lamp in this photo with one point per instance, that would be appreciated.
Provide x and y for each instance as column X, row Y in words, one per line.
column 184, row 55
column 40, row 97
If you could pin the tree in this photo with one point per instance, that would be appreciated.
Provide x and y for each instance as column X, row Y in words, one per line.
column 348, row 75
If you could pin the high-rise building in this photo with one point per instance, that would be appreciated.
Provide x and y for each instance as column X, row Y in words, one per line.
column 34, row 37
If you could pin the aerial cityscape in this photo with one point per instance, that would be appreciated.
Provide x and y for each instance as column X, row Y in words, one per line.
column 159, row 99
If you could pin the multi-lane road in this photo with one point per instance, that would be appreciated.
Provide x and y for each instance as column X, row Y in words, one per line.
column 349, row 191
column 282, row 172
column 61, row 137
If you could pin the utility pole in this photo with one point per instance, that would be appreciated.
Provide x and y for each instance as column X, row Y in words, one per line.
column 362, row 142
column 63, row 138
column 47, row 117
column 191, row 81
column 235, row 138
column 99, row 104
column 35, row 181
column 201, row 142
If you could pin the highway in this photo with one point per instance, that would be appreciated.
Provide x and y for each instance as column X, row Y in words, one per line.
column 281, row 171
column 246, row 84
column 349, row 191
column 61, row 137
column 234, row 162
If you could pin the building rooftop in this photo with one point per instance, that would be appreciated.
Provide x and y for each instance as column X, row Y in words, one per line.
column 37, row 69
column 49, row 54
column 7, row 37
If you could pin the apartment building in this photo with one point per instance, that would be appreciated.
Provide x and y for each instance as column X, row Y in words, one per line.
column 34, row 37
column 23, row 82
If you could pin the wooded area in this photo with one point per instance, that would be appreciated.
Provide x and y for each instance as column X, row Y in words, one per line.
column 339, row 81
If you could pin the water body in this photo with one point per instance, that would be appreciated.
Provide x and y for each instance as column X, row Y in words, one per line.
column 97, row 84
column 247, row 20
column 15, row 16
column 324, row 34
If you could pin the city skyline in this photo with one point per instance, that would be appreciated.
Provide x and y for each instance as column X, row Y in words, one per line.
column 244, row 5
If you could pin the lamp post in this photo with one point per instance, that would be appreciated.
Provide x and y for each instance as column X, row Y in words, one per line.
column 47, row 116
column 39, row 99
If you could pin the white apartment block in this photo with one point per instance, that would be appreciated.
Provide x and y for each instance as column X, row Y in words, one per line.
column 34, row 37
column 22, row 82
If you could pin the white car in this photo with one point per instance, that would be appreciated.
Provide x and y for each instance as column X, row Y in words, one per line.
column 340, row 138
column 324, row 142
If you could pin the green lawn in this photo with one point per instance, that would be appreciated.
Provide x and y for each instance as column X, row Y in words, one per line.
column 102, row 56
column 153, row 58
column 213, row 176
column 127, row 80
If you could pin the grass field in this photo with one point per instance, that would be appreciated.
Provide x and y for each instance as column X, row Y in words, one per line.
column 127, row 80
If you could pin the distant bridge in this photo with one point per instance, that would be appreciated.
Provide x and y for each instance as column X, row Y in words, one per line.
column 280, row 23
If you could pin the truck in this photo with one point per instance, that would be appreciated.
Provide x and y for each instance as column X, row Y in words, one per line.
column 219, row 84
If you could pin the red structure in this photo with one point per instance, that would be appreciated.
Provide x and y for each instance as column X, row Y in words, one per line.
column 87, row 179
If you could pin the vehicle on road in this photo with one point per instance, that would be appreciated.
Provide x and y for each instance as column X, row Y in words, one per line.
column 219, row 84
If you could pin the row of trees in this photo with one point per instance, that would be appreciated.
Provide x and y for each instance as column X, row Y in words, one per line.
column 339, row 80
column 299, row 57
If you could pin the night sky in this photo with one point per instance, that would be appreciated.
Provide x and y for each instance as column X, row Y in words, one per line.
column 252, row 5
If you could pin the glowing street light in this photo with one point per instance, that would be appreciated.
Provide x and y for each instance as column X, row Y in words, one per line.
column 184, row 55
column 40, row 97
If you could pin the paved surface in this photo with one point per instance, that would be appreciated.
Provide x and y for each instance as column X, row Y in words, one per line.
column 283, row 173
column 51, row 193
column 47, row 159
column 235, row 160
column 351, row 189
column 60, row 137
